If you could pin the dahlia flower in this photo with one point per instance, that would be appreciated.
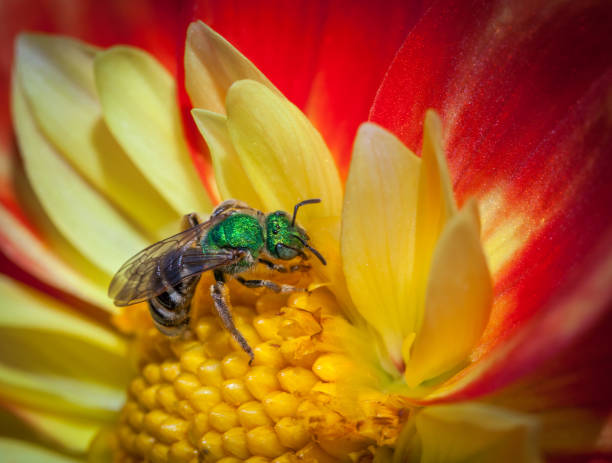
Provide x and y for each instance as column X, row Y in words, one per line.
column 463, row 314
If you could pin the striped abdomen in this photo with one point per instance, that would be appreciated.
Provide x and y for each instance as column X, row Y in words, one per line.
column 170, row 310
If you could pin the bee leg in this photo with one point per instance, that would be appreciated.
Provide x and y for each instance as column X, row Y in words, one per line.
column 283, row 269
column 218, row 291
column 189, row 221
column 269, row 284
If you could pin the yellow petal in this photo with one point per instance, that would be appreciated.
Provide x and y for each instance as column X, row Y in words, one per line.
column 55, row 361
column 91, row 276
column 212, row 65
column 283, row 155
column 69, row 433
column 15, row 451
column 31, row 254
column 103, row 446
column 377, row 238
column 139, row 103
column 56, row 76
column 59, row 394
column 325, row 233
column 24, row 308
column 231, row 179
column 81, row 214
column 435, row 205
column 457, row 301
column 476, row 433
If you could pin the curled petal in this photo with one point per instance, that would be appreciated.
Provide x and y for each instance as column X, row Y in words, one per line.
column 212, row 65
column 378, row 225
column 566, row 340
column 457, row 300
column 130, row 84
column 55, row 75
column 76, row 208
column 435, row 206
column 231, row 179
column 328, row 58
column 282, row 154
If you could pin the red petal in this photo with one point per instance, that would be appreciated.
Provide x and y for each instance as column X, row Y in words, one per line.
column 570, row 388
column 524, row 89
column 568, row 342
column 326, row 57
column 152, row 25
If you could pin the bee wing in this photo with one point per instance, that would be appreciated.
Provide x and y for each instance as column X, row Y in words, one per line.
column 164, row 264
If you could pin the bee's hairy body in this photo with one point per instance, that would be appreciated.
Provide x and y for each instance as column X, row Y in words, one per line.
column 238, row 231
column 234, row 240
column 170, row 310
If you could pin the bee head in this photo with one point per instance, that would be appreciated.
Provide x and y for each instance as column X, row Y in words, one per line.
column 284, row 238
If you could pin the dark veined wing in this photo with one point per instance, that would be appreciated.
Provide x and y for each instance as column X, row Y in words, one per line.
column 164, row 264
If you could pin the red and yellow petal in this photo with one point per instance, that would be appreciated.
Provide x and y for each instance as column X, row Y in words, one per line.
column 531, row 223
column 569, row 389
column 46, row 256
column 328, row 58
column 212, row 65
column 527, row 134
column 569, row 327
column 104, row 24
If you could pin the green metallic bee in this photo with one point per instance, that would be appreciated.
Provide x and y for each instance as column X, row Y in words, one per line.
column 232, row 241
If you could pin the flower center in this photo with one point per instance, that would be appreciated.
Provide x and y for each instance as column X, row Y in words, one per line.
column 198, row 399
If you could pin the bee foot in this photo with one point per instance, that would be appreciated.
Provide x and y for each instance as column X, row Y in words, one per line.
column 289, row 289
column 300, row 268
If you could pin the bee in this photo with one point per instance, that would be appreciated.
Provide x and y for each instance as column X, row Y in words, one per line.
column 231, row 242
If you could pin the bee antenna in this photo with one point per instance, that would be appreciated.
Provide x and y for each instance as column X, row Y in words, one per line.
column 313, row 250
column 302, row 203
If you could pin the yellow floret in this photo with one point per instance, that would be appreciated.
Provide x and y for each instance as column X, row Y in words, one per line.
column 197, row 399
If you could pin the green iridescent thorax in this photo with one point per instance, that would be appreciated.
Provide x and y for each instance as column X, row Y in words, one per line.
column 281, row 237
column 238, row 231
